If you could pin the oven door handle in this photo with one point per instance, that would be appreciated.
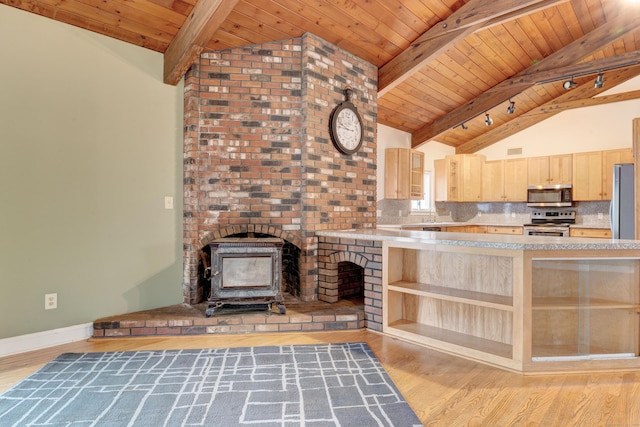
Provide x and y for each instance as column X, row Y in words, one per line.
column 543, row 229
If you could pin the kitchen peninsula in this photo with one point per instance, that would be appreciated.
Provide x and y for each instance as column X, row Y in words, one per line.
column 530, row 304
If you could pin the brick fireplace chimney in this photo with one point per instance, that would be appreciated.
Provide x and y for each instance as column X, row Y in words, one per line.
column 258, row 157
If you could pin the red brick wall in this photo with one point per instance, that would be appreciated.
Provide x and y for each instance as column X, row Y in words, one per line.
column 258, row 152
column 367, row 254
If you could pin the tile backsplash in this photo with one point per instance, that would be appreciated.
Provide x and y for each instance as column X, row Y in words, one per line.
column 594, row 214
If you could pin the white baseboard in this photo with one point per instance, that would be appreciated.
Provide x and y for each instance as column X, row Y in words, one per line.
column 39, row 340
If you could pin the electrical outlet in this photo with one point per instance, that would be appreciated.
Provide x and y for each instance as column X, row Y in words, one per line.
column 50, row 301
column 168, row 202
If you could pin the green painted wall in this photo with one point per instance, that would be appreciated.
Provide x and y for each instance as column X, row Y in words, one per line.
column 90, row 143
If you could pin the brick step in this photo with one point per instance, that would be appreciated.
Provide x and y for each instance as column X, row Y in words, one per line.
column 184, row 319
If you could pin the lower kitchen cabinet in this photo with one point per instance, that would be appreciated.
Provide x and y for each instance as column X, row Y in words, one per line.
column 598, row 233
column 466, row 229
column 504, row 229
column 584, row 309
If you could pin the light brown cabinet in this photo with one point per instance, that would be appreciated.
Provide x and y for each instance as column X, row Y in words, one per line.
column 440, row 180
column 504, row 180
column 459, row 178
column 505, row 229
column 466, row 229
column 598, row 233
column 610, row 158
column 590, row 173
column 593, row 173
column 404, row 174
column 549, row 170
column 416, row 183
column 587, row 176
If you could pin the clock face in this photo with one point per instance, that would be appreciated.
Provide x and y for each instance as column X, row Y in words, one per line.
column 346, row 129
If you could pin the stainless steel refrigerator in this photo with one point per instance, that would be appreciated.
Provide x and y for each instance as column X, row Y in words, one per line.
column 622, row 210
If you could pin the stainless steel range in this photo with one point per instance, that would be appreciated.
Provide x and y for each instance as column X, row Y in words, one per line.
column 546, row 222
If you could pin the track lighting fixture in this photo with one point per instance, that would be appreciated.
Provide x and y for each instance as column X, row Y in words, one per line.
column 463, row 126
column 488, row 120
column 569, row 84
column 599, row 81
column 512, row 107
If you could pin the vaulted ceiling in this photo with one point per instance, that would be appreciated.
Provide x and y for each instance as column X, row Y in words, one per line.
column 443, row 64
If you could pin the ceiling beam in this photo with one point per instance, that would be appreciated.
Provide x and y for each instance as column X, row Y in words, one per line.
column 589, row 102
column 582, row 96
column 199, row 27
column 484, row 12
column 576, row 70
column 572, row 53
column 473, row 16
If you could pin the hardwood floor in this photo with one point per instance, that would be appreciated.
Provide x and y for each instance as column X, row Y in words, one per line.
column 443, row 390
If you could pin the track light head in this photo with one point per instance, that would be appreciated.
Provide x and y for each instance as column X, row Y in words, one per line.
column 569, row 84
column 488, row 120
column 463, row 126
column 511, row 108
column 599, row 81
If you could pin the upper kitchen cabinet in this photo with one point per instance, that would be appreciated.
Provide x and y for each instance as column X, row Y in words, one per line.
column 587, row 176
column 459, row 178
column 417, row 175
column 549, row 170
column 610, row 158
column 504, row 180
column 404, row 174
column 593, row 173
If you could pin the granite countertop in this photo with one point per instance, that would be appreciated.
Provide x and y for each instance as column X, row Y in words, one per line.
column 485, row 224
column 498, row 241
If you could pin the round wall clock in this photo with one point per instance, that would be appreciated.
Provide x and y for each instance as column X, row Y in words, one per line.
column 345, row 126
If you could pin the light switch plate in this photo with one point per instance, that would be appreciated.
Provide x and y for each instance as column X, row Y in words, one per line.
column 168, row 202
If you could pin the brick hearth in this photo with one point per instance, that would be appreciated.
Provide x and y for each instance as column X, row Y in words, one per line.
column 185, row 319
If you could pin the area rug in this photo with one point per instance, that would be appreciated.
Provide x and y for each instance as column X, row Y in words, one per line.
column 294, row 385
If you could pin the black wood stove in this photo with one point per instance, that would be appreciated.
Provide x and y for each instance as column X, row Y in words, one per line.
column 246, row 274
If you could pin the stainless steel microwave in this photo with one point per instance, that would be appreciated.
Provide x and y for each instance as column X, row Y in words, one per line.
column 560, row 195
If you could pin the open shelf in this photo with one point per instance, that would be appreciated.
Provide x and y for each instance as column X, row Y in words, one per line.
column 457, row 301
column 452, row 337
column 500, row 302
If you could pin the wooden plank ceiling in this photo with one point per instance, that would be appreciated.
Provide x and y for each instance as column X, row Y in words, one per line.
column 443, row 64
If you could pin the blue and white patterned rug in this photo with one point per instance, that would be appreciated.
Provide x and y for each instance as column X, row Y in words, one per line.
column 318, row 385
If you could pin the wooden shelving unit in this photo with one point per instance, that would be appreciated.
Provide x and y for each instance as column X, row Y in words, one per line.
column 456, row 302
column 526, row 311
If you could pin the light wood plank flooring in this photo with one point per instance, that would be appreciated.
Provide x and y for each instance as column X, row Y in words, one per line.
column 443, row 390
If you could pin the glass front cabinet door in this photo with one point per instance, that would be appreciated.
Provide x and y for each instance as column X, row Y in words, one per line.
column 584, row 309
